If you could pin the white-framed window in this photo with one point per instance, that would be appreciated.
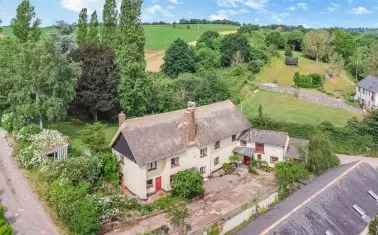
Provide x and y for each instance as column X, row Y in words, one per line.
column 216, row 161
column 217, row 145
column 203, row 152
column 150, row 183
column 152, row 166
column 273, row 159
column 203, row 170
column 175, row 162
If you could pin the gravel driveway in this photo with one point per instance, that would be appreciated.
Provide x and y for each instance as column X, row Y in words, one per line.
column 24, row 210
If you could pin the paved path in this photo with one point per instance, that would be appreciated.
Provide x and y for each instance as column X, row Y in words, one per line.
column 344, row 159
column 24, row 210
column 310, row 96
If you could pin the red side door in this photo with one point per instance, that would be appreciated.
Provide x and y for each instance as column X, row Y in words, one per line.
column 158, row 183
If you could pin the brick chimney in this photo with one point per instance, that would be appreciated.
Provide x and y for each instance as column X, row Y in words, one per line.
column 121, row 118
column 190, row 127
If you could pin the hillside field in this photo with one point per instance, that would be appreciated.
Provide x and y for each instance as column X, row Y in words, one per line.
column 287, row 108
column 278, row 72
column 159, row 37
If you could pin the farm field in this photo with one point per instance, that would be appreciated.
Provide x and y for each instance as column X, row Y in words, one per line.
column 287, row 108
column 278, row 72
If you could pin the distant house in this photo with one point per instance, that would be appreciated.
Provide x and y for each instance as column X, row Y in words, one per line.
column 152, row 149
column 270, row 146
column 341, row 201
column 367, row 93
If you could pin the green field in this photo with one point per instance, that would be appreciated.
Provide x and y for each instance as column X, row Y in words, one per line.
column 287, row 108
column 159, row 37
column 278, row 72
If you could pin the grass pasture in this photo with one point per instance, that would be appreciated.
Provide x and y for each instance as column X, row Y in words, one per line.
column 278, row 72
column 287, row 108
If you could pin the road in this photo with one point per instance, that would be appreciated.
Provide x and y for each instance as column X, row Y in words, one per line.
column 344, row 159
column 24, row 210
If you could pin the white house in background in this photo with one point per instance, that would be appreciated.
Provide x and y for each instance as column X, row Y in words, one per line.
column 367, row 93
column 270, row 146
column 153, row 149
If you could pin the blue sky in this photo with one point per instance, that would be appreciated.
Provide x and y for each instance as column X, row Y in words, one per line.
column 311, row 13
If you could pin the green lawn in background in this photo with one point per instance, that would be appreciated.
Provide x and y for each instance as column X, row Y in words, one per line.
column 287, row 108
column 72, row 130
column 278, row 72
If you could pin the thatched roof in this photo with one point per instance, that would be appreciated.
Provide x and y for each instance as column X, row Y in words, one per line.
column 325, row 204
column 157, row 137
column 297, row 148
column 370, row 83
column 275, row 138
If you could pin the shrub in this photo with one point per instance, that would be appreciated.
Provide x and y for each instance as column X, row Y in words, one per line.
column 187, row 184
column 255, row 66
column 179, row 58
column 289, row 173
column 25, row 133
column 229, row 168
column 5, row 228
column 7, row 121
column 209, row 39
column 235, row 49
column 110, row 168
column 308, row 81
column 208, row 58
column 373, row 226
column 93, row 135
column 79, row 211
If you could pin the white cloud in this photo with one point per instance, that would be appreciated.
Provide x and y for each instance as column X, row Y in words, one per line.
column 226, row 14
column 254, row 4
column 299, row 6
column 333, row 7
column 155, row 13
column 360, row 10
column 77, row 5
column 174, row 2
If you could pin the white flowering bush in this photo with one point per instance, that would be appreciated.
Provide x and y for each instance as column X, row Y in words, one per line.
column 7, row 121
column 25, row 133
column 34, row 152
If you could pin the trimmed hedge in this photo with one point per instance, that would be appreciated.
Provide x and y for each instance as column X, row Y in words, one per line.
column 308, row 81
column 5, row 228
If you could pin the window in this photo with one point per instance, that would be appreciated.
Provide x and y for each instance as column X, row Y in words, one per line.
column 175, row 162
column 150, row 184
column 171, row 179
column 233, row 138
column 152, row 166
column 203, row 170
column 216, row 161
column 243, row 143
column 273, row 159
column 259, row 148
column 217, row 145
column 203, row 152
column 259, row 157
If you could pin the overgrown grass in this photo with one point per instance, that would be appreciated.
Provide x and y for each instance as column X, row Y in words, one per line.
column 278, row 72
column 285, row 108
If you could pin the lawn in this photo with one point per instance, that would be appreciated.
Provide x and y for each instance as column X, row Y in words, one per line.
column 159, row 37
column 287, row 108
column 72, row 130
column 278, row 72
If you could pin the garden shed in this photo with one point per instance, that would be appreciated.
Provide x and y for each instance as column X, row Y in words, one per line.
column 52, row 144
column 292, row 61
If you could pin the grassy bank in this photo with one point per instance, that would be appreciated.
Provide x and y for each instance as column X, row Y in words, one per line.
column 287, row 108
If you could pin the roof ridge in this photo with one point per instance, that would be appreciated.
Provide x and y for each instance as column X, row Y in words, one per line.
column 337, row 179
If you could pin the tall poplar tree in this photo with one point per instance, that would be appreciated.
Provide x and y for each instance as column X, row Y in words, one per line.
column 26, row 25
column 82, row 27
column 93, row 36
column 135, row 88
column 110, row 21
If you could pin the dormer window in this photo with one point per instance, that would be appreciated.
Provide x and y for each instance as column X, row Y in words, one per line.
column 152, row 166
column 217, row 145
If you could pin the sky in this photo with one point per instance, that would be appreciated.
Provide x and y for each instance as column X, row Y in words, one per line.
column 309, row 13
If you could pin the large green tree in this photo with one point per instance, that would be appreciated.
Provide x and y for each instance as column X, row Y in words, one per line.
column 179, row 58
column 321, row 156
column 82, row 27
column 317, row 45
column 96, row 89
column 43, row 83
column 235, row 49
column 275, row 39
column 109, row 21
column 372, row 61
column 26, row 25
column 134, row 91
column 93, row 30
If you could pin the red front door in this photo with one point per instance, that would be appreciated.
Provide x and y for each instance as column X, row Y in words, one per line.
column 158, row 183
column 247, row 160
